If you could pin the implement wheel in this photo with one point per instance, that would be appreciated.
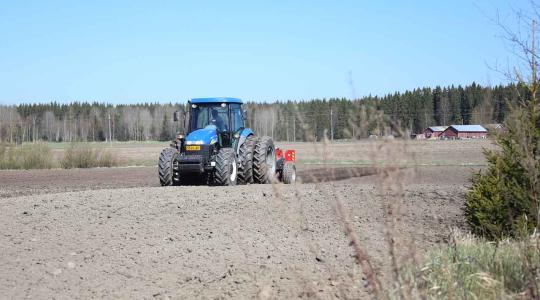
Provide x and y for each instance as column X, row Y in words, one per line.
column 288, row 174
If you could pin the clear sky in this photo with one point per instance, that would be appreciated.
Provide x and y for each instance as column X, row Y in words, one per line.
column 133, row 51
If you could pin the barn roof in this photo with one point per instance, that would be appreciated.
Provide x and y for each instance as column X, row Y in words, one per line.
column 469, row 128
column 438, row 128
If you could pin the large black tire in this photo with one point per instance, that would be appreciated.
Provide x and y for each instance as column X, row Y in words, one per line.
column 226, row 171
column 166, row 167
column 264, row 160
column 288, row 174
column 245, row 155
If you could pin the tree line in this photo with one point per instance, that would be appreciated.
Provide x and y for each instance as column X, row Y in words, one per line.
column 335, row 118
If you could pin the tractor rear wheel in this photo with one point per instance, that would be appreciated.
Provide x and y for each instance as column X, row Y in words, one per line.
column 226, row 170
column 288, row 175
column 166, row 169
column 245, row 155
column 264, row 160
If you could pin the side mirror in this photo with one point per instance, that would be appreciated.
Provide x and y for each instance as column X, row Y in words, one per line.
column 175, row 116
column 245, row 113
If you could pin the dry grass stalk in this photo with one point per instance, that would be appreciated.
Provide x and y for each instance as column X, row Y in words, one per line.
column 27, row 156
column 80, row 155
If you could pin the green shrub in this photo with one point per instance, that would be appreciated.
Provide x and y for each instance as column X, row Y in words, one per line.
column 505, row 199
column 28, row 156
column 80, row 155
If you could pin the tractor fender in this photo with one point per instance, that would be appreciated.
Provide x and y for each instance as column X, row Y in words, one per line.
column 243, row 136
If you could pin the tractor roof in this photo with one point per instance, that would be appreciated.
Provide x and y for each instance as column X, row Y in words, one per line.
column 216, row 100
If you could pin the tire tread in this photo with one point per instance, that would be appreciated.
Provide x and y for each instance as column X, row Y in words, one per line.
column 289, row 171
column 245, row 153
column 165, row 166
column 260, row 169
column 221, row 171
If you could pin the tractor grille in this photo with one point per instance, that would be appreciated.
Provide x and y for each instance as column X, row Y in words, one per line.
column 191, row 159
column 195, row 161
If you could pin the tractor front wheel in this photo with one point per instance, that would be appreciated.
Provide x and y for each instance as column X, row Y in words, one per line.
column 226, row 170
column 166, row 169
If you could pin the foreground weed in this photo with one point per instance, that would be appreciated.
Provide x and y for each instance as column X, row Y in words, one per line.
column 474, row 268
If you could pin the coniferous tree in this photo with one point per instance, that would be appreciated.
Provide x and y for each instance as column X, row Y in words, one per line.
column 505, row 199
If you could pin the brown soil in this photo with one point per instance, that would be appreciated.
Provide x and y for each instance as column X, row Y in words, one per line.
column 284, row 241
column 113, row 233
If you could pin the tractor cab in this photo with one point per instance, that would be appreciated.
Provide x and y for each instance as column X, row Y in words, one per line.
column 222, row 115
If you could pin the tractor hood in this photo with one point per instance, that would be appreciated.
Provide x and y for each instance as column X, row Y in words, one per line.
column 204, row 136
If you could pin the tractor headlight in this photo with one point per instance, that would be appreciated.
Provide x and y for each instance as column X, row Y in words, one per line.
column 179, row 136
column 194, row 142
column 236, row 135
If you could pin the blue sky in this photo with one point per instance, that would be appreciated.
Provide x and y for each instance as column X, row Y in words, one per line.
column 133, row 51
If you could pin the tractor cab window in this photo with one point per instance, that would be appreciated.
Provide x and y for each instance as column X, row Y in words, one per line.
column 199, row 118
column 214, row 114
column 236, row 117
column 219, row 116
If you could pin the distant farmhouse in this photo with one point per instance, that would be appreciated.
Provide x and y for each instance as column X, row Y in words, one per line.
column 434, row 132
column 465, row 132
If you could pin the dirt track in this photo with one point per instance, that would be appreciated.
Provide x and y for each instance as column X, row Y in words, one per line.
column 65, row 239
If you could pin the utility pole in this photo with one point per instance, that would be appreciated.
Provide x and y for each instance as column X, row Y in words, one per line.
column 273, row 125
column 287, row 130
column 331, row 125
column 110, row 133
column 315, row 129
column 294, row 129
column 10, row 127
column 33, row 128
column 112, row 129
column 23, row 129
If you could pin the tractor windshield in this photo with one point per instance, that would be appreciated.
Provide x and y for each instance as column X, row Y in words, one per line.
column 209, row 114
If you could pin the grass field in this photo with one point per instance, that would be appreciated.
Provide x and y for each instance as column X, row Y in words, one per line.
column 364, row 152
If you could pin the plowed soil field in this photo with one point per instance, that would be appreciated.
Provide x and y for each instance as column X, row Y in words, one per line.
column 115, row 233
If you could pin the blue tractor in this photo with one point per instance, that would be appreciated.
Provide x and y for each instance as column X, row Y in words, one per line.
column 219, row 150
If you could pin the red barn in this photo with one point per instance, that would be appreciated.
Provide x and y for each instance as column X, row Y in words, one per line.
column 434, row 131
column 465, row 132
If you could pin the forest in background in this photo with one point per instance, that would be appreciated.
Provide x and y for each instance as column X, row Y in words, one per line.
column 337, row 118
